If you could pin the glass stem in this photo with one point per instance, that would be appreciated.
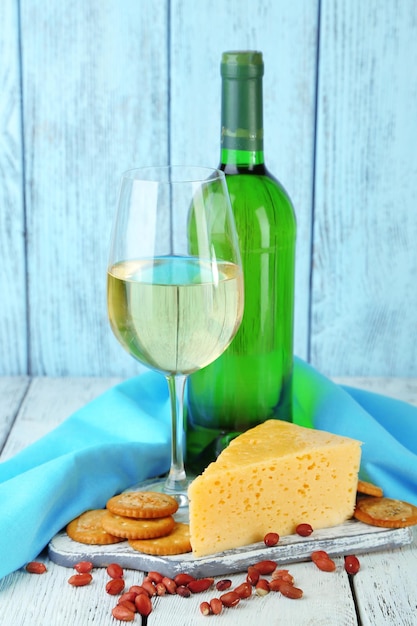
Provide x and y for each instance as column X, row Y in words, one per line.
column 177, row 480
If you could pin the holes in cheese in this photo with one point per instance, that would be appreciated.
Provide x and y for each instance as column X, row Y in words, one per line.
column 275, row 476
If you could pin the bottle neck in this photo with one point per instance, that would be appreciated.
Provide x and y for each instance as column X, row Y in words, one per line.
column 241, row 158
column 242, row 122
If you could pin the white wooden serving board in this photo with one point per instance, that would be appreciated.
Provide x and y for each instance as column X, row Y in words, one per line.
column 352, row 537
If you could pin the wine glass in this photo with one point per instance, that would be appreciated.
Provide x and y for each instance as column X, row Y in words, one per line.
column 175, row 284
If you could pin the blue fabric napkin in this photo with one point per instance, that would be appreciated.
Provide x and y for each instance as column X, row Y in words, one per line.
column 123, row 437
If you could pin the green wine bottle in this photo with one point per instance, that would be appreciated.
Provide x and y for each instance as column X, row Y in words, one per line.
column 251, row 381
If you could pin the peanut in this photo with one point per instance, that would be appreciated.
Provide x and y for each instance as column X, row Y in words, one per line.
column 304, row 530
column 223, row 584
column 128, row 596
column 80, row 580
column 36, row 567
column 216, row 606
column 282, row 574
column 137, row 589
column 114, row 570
column 200, row 584
column 160, row 589
column 325, row 565
column 319, row 554
column 170, row 584
column 183, row 579
column 183, row 591
column 271, row 539
column 205, row 608
column 230, row 598
column 244, row 590
column 123, row 614
column 262, row 587
column 289, row 591
column 352, row 564
column 143, row 604
column 323, row 561
column 275, row 584
column 149, row 587
column 265, row 567
column 114, row 586
column 128, row 605
column 83, row 567
column 155, row 577
column 253, row 575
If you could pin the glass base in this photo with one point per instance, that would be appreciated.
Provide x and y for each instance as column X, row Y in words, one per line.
column 161, row 485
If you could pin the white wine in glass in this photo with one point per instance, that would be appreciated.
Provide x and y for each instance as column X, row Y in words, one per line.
column 175, row 284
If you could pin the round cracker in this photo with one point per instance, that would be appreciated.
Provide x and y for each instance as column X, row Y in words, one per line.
column 369, row 489
column 87, row 528
column 385, row 512
column 130, row 528
column 142, row 504
column 177, row 542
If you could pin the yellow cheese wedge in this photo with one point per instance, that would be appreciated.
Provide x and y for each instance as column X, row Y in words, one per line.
column 270, row 479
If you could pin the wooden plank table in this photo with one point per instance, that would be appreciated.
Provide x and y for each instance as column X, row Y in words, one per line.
column 383, row 592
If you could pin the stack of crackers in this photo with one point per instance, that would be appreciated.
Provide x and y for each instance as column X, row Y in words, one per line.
column 143, row 518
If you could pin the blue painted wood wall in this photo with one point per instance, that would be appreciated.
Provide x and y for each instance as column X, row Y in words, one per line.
column 89, row 88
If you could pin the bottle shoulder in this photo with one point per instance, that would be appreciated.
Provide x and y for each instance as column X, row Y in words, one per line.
column 260, row 196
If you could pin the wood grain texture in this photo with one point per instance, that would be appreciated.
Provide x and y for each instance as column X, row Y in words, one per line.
column 286, row 33
column 12, row 390
column 106, row 86
column 399, row 575
column 404, row 389
column 364, row 296
column 80, row 606
column 95, row 104
column 13, row 313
